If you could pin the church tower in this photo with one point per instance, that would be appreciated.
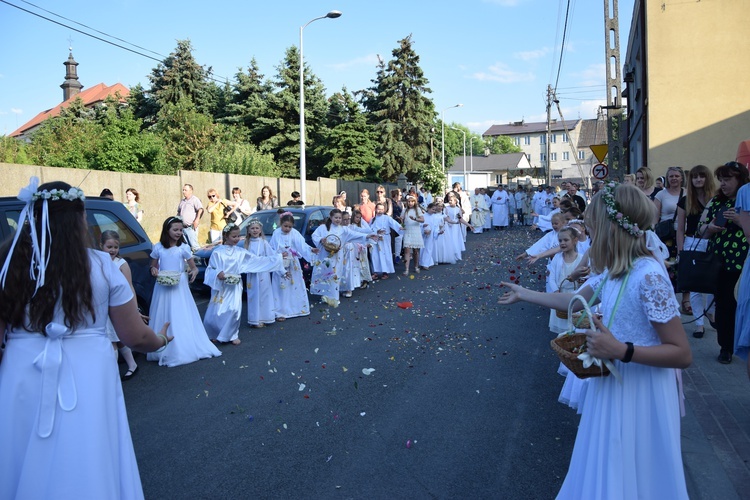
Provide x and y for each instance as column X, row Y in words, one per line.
column 71, row 86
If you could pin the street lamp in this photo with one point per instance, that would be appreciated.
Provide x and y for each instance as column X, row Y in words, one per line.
column 302, row 160
column 442, row 126
column 466, row 183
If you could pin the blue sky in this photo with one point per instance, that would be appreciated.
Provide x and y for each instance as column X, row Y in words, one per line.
column 496, row 57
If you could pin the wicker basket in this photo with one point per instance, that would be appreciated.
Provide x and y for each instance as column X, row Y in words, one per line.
column 568, row 346
column 168, row 278
column 561, row 314
column 332, row 243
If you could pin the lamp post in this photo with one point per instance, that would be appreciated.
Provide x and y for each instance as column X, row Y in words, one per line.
column 442, row 127
column 302, row 160
column 466, row 183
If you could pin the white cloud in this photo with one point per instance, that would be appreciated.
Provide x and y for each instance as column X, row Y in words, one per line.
column 594, row 74
column 501, row 72
column 530, row 55
column 16, row 111
column 368, row 60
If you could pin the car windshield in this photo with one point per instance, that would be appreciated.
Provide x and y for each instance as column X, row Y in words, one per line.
column 270, row 221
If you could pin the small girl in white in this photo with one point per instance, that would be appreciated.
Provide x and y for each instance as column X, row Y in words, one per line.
column 560, row 269
column 173, row 302
column 110, row 243
column 223, row 275
column 261, row 307
column 289, row 291
column 413, row 217
column 433, row 224
column 382, row 258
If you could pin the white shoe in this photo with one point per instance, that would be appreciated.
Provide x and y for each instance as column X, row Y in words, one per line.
column 347, row 294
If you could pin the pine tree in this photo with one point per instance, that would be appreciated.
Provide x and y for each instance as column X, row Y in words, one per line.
column 248, row 103
column 350, row 146
column 280, row 128
column 401, row 113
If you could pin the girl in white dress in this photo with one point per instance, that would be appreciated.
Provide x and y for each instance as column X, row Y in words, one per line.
column 224, row 277
column 261, row 306
column 172, row 301
column 433, row 224
column 110, row 243
column 352, row 276
column 628, row 442
column 382, row 258
column 560, row 269
column 329, row 266
column 364, row 255
column 63, row 428
column 413, row 217
column 289, row 292
column 451, row 244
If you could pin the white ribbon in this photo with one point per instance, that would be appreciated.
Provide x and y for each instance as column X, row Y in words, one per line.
column 39, row 253
column 589, row 360
column 58, row 382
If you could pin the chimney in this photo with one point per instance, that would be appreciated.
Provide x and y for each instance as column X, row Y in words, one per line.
column 71, row 86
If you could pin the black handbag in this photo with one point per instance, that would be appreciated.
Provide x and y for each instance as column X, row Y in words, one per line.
column 698, row 271
column 665, row 230
column 230, row 215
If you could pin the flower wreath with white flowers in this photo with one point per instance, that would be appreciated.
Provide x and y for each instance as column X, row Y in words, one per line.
column 71, row 194
column 615, row 215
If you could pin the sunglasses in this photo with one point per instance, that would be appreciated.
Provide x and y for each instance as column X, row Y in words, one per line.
column 735, row 165
column 212, row 196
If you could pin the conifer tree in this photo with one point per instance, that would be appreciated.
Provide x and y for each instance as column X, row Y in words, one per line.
column 279, row 130
column 350, row 146
column 401, row 113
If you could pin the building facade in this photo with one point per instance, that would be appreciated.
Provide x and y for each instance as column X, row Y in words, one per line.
column 569, row 155
column 686, row 83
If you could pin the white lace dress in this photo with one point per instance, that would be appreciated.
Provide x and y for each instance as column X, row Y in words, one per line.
column 628, row 443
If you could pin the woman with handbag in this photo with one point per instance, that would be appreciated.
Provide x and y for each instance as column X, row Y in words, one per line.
column 728, row 241
column 666, row 207
column 628, row 442
column 700, row 189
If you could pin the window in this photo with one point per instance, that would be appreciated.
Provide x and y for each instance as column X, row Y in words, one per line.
column 100, row 221
column 553, row 138
column 527, row 140
column 565, row 137
column 566, row 156
column 581, row 155
column 553, row 157
column 543, row 139
column 542, row 157
column 517, row 141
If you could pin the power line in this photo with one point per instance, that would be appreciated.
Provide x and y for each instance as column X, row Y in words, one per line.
column 562, row 45
column 208, row 76
column 93, row 29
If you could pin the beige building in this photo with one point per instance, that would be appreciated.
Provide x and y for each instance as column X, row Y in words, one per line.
column 686, row 83
column 570, row 156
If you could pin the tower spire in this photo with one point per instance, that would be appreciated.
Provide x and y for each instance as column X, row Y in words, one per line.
column 71, row 86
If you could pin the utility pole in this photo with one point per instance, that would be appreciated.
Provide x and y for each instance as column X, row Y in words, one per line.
column 548, row 134
column 614, row 89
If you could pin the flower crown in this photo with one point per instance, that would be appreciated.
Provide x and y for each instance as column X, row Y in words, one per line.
column 615, row 215
column 71, row 194
column 254, row 222
column 229, row 227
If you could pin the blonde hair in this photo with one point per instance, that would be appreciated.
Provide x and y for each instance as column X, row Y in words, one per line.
column 612, row 247
column 648, row 178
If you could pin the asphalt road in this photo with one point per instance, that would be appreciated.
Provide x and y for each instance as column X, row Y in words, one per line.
column 454, row 397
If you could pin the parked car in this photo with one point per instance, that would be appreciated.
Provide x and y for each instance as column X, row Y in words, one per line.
column 306, row 221
column 103, row 214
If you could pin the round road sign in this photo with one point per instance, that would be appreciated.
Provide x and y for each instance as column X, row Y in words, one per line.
column 600, row 171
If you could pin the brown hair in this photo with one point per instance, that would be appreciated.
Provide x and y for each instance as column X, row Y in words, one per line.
column 692, row 203
column 68, row 273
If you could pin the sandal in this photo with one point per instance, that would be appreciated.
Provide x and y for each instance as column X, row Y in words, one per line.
column 687, row 308
column 130, row 373
column 236, row 342
column 384, row 276
column 698, row 334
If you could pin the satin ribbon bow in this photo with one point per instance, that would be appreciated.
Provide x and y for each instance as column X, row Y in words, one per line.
column 58, row 382
column 589, row 360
